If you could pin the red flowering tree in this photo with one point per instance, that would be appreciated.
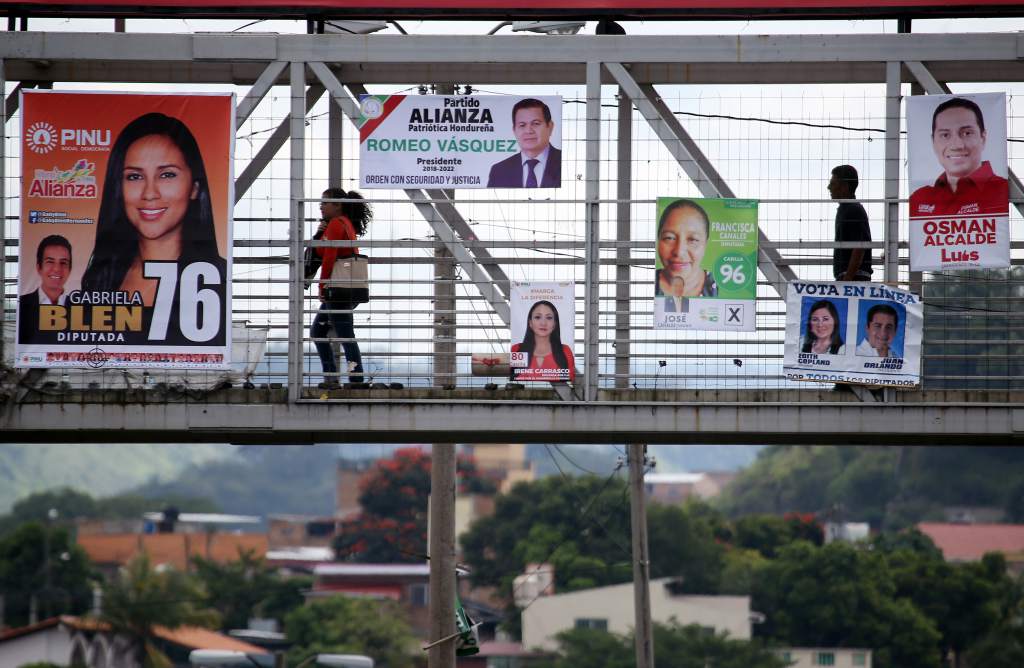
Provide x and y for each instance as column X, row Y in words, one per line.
column 393, row 525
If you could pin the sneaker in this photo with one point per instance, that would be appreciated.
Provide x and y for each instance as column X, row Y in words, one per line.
column 357, row 386
column 329, row 385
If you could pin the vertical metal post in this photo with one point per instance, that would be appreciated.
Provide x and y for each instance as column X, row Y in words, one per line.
column 637, row 456
column 335, row 134
column 442, row 555
column 444, row 301
column 623, row 224
column 296, row 322
column 592, row 221
column 3, row 217
column 892, row 170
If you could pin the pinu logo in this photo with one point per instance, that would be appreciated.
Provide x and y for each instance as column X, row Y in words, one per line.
column 41, row 137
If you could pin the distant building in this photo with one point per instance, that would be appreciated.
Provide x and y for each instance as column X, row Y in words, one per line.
column 970, row 542
column 406, row 584
column 505, row 463
column 110, row 552
column 675, row 488
column 348, row 475
column 88, row 643
column 849, row 532
column 301, row 531
column 611, row 609
column 810, row 657
column 500, row 655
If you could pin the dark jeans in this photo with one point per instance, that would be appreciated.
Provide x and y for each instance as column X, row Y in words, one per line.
column 343, row 328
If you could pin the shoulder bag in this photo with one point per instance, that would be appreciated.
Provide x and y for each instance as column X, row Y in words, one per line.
column 349, row 280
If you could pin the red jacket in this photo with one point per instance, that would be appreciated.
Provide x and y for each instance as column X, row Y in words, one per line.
column 338, row 229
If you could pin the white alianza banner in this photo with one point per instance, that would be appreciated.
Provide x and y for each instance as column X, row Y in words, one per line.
column 855, row 332
column 460, row 141
column 543, row 328
column 959, row 193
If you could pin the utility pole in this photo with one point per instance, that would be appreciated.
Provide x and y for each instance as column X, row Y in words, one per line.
column 442, row 555
column 637, row 457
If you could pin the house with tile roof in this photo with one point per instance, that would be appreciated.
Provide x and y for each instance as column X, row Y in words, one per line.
column 970, row 542
column 85, row 641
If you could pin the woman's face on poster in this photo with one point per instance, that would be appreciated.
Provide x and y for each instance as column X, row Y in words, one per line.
column 158, row 186
column 681, row 245
column 542, row 321
column 822, row 323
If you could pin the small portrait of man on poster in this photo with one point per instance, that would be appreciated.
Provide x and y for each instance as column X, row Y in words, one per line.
column 53, row 265
column 967, row 185
column 881, row 334
column 538, row 163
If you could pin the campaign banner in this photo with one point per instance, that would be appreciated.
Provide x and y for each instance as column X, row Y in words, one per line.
column 705, row 264
column 853, row 332
column 125, row 251
column 959, row 193
column 460, row 141
column 543, row 327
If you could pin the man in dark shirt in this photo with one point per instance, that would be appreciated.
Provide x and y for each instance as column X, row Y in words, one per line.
column 849, row 264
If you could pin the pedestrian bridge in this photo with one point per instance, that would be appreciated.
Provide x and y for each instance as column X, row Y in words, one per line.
column 755, row 117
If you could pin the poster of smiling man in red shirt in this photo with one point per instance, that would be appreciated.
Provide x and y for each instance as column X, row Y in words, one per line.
column 959, row 219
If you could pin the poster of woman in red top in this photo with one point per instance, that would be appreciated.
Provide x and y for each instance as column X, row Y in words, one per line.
column 959, row 202
column 543, row 323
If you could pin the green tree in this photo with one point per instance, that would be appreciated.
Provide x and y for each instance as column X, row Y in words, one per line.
column 963, row 600
column 889, row 487
column 351, row 626
column 674, row 645
column 842, row 595
column 681, row 543
column 142, row 598
column 26, row 566
column 579, row 525
column 393, row 525
column 1003, row 645
column 768, row 533
column 245, row 588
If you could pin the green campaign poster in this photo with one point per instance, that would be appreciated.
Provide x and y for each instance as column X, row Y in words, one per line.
column 705, row 264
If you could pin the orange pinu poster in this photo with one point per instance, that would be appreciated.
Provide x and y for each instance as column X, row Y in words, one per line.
column 126, row 202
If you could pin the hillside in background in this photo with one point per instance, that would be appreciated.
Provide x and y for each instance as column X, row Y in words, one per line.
column 890, row 487
column 601, row 459
column 259, row 480
column 100, row 470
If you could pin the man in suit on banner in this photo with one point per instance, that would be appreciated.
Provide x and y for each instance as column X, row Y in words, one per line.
column 538, row 164
column 53, row 264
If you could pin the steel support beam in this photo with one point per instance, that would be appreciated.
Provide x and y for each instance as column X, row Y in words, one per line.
column 623, row 232
column 789, row 417
column 473, row 271
column 697, row 166
column 535, row 50
column 335, row 148
column 893, row 91
column 3, row 205
column 258, row 91
column 592, row 231
column 272, row 146
column 296, row 323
